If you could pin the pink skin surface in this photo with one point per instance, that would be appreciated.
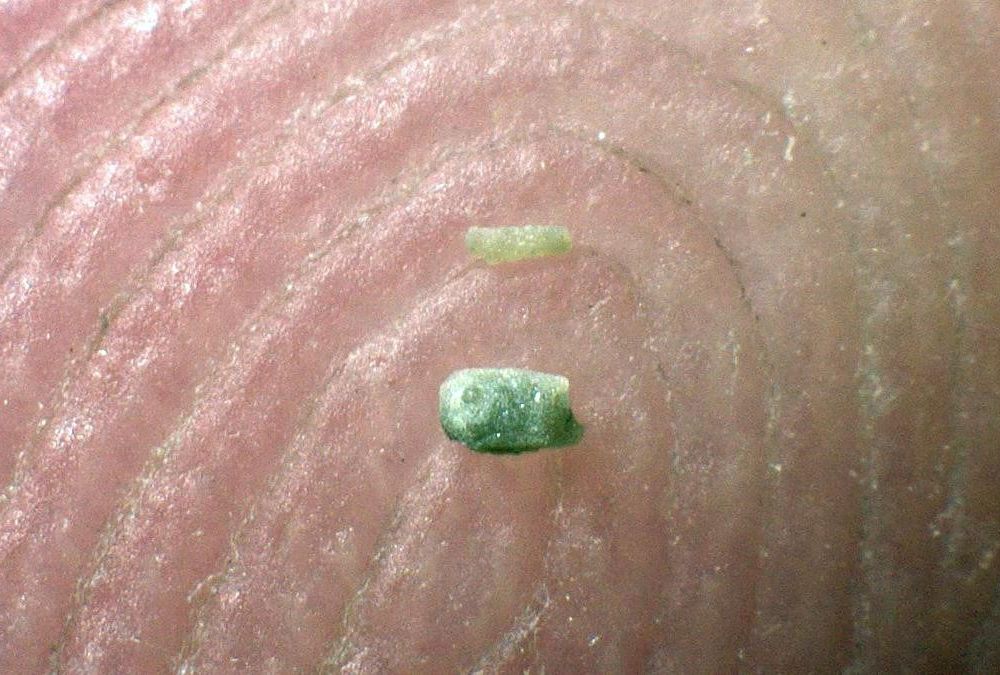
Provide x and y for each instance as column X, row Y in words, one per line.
column 232, row 278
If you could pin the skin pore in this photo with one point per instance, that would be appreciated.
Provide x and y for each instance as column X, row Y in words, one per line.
column 233, row 276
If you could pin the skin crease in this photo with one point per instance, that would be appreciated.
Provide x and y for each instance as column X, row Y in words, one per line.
column 232, row 279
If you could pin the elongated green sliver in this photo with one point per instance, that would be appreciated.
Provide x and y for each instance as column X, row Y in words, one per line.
column 507, row 244
column 507, row 410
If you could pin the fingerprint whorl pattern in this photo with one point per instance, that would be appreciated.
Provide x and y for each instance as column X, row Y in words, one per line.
column 232, row 463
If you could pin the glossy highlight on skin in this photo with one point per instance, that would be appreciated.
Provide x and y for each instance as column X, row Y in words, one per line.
column 507, row 410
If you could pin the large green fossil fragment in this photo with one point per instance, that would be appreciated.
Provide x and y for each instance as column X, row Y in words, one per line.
column 507, row 410
column 507, row 244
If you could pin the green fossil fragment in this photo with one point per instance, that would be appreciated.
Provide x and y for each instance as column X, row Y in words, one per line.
column 507, row 244
column 507, row 410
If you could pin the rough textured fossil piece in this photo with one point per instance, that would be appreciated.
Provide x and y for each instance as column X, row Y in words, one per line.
column 507, row 410
column 507, row 244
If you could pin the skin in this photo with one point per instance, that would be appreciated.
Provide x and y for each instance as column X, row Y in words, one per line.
column 232, row 278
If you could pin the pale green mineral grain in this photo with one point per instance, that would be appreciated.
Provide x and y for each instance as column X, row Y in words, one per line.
column 507, row 244
column 507, row 410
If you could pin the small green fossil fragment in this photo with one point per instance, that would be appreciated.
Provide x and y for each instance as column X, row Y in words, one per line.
column 507, row 410
column 507, row 244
